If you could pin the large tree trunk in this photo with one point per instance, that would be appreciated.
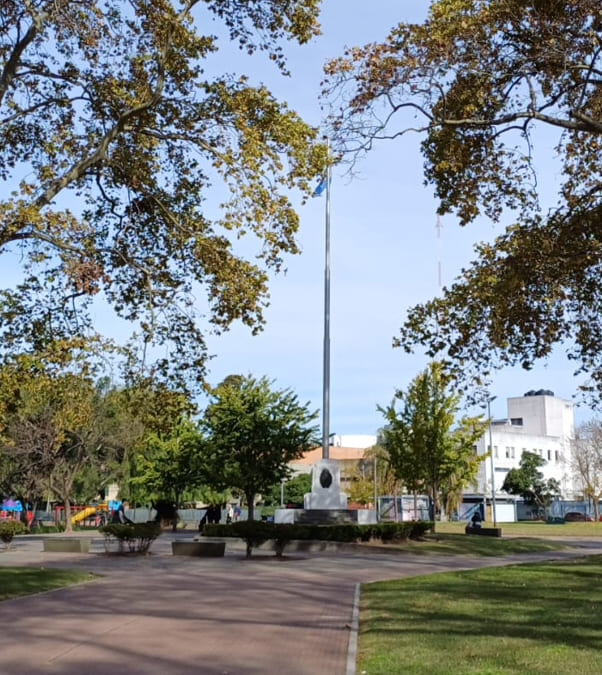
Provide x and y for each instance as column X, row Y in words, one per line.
column 68, row 525
column 433, row 505
column 174, row 524
column 250, row 517
column 250, row 505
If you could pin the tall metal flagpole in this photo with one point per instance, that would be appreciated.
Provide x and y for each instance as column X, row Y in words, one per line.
column 326, row 357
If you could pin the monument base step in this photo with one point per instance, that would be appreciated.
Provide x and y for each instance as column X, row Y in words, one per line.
column 325, row 516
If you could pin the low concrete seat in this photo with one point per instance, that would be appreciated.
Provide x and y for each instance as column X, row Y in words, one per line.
column 67, row 545
column 485, row 531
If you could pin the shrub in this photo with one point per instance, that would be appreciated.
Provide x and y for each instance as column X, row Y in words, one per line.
column 137, row 536
column 257, row 532
column 8, row 529
column 420, row 528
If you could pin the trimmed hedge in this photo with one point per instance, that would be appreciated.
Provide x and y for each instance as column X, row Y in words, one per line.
column 137, row 536
column 257, row 532
column 8, row 529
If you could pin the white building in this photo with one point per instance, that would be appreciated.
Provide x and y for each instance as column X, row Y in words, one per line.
column 537, row 422
column 363, row 441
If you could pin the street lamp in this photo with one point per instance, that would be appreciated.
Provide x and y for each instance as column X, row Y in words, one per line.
column 375, row 486
column 491, row 398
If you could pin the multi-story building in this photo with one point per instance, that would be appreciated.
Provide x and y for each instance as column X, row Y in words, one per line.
column 538, row 422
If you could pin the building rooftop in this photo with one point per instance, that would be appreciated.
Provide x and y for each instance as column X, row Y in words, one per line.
column 334, row 452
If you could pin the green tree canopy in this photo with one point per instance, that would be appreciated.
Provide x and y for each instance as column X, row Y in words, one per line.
column 528, row 481
column 294, row 489
column 426, row 451
column 169, row 466
column 480, row 80
column 253, row 432
column 129, row 170
column 56, row 424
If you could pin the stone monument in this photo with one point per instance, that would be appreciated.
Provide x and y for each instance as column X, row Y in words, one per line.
column 325, row 487
column 325, row 504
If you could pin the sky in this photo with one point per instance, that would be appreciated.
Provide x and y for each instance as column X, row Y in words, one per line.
column 385, row 255
column 384, row 259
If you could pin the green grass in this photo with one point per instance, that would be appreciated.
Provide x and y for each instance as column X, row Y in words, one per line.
column 532, row 619
column 18, row 581
column 531, row 528
column 461, row 544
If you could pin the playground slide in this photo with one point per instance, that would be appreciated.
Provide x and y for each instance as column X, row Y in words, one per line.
column 84, row 513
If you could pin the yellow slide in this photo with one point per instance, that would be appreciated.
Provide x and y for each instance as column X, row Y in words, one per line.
column 84, row 513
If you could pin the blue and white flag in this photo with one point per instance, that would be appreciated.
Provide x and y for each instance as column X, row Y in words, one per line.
column 320, row 187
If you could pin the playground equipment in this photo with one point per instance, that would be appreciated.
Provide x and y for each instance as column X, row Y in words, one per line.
column 84, row 513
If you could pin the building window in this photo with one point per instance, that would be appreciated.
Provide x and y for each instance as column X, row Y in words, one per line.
column 549, row 455
column 516, row 421
column 495, row 451
column 556, row 456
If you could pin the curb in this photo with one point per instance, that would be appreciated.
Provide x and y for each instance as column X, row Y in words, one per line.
column 353, row 634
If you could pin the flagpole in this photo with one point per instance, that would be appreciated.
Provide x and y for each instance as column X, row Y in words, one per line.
column 326, row 355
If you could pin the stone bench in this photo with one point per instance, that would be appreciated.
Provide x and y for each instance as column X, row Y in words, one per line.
column 67, row 545
column 485, row 531
column 201, row 549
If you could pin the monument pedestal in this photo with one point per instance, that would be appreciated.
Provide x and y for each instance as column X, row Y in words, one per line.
column 325, row 504
column 325, row 487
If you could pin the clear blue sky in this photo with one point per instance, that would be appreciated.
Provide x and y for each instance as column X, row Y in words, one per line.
column 384, row 260
column 384, row 256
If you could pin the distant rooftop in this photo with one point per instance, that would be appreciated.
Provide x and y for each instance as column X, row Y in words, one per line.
column 334, row 452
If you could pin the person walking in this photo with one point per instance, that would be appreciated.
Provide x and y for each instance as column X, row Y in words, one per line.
column 119, row 517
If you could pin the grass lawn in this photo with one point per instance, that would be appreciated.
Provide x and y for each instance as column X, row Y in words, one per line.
column 530, row 619
column 531, row 528
column 17, row 581
column 461, row 544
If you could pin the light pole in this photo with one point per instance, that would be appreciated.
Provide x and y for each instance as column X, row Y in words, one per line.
column 326, row 356
column 491, row 398
column 375, row 486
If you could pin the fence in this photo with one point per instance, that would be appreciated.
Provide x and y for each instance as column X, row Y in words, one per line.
column 403, row 507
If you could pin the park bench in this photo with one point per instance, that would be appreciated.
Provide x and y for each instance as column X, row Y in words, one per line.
column 485, row 531
column 201, row 549
column 67, row 545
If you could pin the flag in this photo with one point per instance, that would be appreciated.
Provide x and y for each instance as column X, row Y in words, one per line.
column 320, row 187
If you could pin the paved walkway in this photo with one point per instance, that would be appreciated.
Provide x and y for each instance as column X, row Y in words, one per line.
column 169, row 615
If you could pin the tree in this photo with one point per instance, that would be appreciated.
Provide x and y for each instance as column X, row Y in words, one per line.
column 587, row 460
column 387, row 481
column 528, row 482
column 53, row 423
column 128, row 171
column 360, row 483
column 170, row 466
column 361, row 477
column 294, row 490
column 253, row 432
column 425, row 451
column 480, row 80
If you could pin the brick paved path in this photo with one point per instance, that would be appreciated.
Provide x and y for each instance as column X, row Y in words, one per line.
column 169, row 615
